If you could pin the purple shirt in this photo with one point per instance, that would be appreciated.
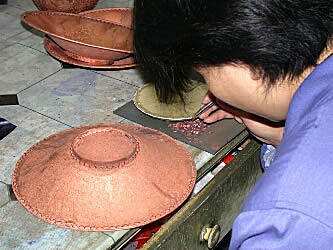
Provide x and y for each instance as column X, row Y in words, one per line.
column 291, row 206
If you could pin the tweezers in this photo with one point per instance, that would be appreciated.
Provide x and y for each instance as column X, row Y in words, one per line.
column 202, row 110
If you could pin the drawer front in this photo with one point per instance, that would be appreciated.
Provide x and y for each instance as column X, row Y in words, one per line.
column 217, row 204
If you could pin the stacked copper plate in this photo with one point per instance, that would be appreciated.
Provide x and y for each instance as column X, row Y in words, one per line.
column 89, row 39
column 71, row 6
column 104, row 177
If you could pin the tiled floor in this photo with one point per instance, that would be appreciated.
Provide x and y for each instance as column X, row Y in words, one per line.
column 51, row 98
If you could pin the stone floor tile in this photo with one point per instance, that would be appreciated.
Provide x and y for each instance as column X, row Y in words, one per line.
column 26, row 5
column 22, row 67
column 10, row 22
column 31, row 127
column 78, row 96
column 5, row 43
column 31, row 38
column 4, row 194
column 40, row 235
column 131, row 76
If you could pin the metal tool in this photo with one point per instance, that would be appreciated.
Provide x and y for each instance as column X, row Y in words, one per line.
column 216, row 136
column 202, row 110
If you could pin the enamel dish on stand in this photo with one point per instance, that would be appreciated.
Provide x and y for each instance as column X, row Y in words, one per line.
column 146, row 101
column 104, row 177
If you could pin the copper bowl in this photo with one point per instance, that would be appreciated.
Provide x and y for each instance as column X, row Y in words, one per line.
column 104, row 177
column 122, row 16
column 57, row 52
column 84, row 38
column 71, row 6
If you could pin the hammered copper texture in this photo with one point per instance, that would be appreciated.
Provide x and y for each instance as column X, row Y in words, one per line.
column 123, row 16
column 54, row 50
column 104, row 177
column 77, row 34
column 71, row 6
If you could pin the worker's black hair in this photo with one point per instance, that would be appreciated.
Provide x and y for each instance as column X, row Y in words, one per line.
column 274, row 38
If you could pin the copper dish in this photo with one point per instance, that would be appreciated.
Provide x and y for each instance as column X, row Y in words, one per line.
column 56, row 51
column 122, row 16
column 71, row 6
column 77, row 34
column 104, row 177
column 146, row 101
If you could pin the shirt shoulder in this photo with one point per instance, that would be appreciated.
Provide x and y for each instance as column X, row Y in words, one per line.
column 300, row 176
column 293, row 198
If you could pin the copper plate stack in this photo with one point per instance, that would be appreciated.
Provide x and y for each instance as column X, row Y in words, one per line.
column 89, row 39
column 104, row 177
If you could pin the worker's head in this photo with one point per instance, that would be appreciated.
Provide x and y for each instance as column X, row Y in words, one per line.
column 273, row 39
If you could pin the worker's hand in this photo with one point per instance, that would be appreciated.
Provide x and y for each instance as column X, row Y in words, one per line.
column 266, row 131
column 216, row 112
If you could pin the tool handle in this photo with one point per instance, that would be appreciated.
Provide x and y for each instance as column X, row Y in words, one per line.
column 203, row 109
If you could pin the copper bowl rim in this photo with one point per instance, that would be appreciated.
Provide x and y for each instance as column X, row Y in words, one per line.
column 105, row 10
column 77, row 16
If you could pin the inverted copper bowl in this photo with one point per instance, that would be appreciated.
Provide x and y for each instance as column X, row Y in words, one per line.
column 104, row 177
column 94, row 40
column 71, row 6
column 123, row 16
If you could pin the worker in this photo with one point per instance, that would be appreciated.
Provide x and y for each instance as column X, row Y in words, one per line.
column 268, row 64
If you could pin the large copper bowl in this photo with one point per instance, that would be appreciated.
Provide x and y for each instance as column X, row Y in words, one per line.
column 57, row 52
column 84, row 38
column 104, row 177
column 71, row 6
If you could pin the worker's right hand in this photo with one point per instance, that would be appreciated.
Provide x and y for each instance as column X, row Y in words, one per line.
column 216, row 112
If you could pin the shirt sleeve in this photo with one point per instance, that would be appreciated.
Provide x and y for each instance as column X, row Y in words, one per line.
column 267, row 155
column 279, row 229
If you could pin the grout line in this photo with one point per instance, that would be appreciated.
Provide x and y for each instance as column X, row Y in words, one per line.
column 7, row 192
column 110, row 237
column 38, row 81
column 46, row 116
column 32, row 47
column 8, row 38
column 117, row 79
column 4, row 204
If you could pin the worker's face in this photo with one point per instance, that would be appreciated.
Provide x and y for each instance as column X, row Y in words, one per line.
column 235, row 85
